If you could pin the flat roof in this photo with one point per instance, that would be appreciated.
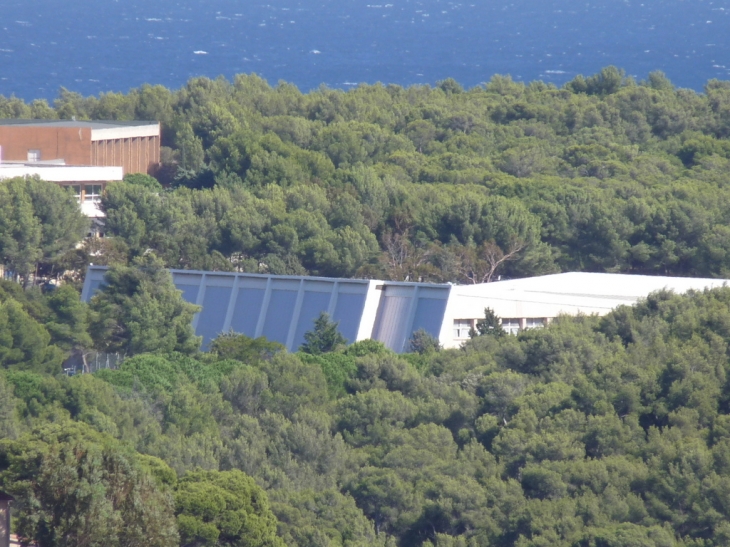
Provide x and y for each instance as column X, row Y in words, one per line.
column 95, row 124
column 63, row 173
column 569, row 293
column 609, row 286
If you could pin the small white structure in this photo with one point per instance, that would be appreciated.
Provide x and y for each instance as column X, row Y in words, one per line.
column 282, row 308
column 86, row 181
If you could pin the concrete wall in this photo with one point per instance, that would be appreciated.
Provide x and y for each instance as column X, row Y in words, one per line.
column 282, row 308
column 63, row 174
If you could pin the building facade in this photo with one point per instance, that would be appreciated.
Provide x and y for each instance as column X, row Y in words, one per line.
column 134, row 146
column 87, row 182
column 84, row 156
column 283, row 308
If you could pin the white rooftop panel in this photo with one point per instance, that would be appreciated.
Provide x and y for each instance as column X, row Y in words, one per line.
column 62, row 173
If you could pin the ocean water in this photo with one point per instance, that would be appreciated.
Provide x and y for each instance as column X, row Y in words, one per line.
column 93, row 46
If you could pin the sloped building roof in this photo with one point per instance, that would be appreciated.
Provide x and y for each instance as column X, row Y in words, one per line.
column 283, row 308
column 572, row 293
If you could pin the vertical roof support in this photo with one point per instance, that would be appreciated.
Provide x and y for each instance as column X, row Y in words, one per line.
column 264, row 308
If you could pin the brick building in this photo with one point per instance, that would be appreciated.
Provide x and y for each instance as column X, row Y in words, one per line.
column 84, row 156
column 133, row 145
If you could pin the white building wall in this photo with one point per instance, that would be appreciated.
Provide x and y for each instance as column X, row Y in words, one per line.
column 454, row 310
column 547, row 297
column 370, row 311
column 68, row 174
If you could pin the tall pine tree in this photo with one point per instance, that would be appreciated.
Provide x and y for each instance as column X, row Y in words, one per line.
column 139, row 310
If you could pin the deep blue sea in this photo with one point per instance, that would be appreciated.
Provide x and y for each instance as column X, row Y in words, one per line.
column 93, row 46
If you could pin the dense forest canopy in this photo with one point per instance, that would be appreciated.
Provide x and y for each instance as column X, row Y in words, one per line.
column 610, row 431
column 591, row 432
column 443, row 183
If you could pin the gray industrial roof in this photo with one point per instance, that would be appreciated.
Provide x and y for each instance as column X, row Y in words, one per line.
column 283, row 308
column 98, row 124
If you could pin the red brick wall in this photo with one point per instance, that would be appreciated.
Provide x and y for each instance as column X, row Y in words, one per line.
column 74, row 145
column 67, row 143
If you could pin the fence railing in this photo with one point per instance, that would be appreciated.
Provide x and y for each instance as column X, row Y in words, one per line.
column 87, row 362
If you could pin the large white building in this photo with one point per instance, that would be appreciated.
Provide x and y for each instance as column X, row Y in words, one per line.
column 283, row 308
column 534, row 301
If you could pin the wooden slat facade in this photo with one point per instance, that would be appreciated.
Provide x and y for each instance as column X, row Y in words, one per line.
column 135, row 155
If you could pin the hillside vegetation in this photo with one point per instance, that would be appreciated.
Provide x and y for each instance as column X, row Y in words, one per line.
column 591, row 432
column 609, row 431
column 512, row 179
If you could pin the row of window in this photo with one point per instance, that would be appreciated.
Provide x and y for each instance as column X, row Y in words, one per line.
column 91, row 192
column 462, row 327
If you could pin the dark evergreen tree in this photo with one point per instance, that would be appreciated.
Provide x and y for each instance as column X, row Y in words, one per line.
column 146, row 181
column 224, row 509
column 69, row 322
column 39, row 221
column 25, row 343
column 231, row 345
column 324, row 337
column 77, row 487
column 139, row 309
column 422, row 342
column 490, row 325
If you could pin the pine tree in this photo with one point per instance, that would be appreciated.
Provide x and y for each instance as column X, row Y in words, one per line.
column 423, row 343
column 324, row 338
column 139, row 309
column 490, row 325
